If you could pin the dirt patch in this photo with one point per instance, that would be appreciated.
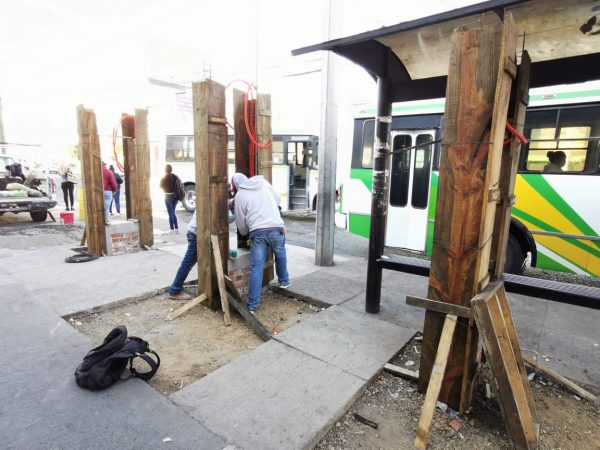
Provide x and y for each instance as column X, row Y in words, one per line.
column 395, row 405
column 196, row 343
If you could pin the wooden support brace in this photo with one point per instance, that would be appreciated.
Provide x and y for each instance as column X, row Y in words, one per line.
column 220, row 278
column 189, row 305
column 249, row 317
column 441, row 307
column 401, row 372
column 435, row 383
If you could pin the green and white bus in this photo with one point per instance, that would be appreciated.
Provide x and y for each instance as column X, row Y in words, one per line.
column 556, row 218
column 294, row 170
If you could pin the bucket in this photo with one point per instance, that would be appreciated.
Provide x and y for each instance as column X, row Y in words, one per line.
column 66, row 218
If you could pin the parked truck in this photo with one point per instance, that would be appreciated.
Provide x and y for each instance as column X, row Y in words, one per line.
column 20, row 193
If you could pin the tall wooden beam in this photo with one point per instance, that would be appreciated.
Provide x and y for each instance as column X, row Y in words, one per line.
column 93, row 186
column 241, row 138
column 210, row 143
column 478, row 89
column 510, row 160
column 141, row 194
column 128, row 133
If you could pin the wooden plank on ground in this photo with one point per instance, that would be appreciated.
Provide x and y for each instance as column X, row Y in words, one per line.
column 401, row 372
column 519, row 419
column 435, row 383
column 441, row 307
column 220, row 279
column 189, row 305
column 249, row 317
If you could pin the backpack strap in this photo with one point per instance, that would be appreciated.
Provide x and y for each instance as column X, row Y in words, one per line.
column 154, row 365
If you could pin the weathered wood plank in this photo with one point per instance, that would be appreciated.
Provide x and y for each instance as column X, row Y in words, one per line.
column 441, row 307
column 189, row 305
column 141, row 195
column 510, row 161
column 249, row 317
column 401, row 372
column 128, row 133
column 435, row 383
column 220, row 279
column 91, row 175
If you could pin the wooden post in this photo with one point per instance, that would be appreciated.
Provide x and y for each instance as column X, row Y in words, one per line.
column 93, row 185
column 265, row 158
column 210, row 143
column 479, row 79
column 128, row 133
column 242, row 146
column 510, row 161
column 141, row 194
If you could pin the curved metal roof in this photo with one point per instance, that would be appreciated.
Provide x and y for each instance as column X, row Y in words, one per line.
column 561, row 36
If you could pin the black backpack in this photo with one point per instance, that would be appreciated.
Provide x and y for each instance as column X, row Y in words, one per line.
column 179, row 189
column 105, row 364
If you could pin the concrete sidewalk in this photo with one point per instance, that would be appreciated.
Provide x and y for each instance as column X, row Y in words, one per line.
column 284, row 394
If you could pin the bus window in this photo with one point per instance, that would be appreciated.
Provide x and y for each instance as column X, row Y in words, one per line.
column 291, row 153
column 179, row 148
column 368, row 143
column 278, row 152
column 400, row 175
column 422, row 171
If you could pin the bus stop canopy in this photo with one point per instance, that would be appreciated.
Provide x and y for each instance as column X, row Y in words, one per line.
column 561, row 36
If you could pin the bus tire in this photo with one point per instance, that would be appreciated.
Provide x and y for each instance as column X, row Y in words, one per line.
column 38, row 216
column 189, row 199
column 515, row 258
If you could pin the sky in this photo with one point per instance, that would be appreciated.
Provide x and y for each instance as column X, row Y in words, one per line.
column 55, row 55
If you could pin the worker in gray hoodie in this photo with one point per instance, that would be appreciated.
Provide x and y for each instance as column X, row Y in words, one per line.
column 257, row 215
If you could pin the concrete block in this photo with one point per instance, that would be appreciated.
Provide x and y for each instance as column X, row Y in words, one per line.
column 354, row 342
column 272, row 398
column 122, row 236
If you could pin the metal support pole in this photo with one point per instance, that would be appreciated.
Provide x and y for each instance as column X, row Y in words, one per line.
column 379, row 194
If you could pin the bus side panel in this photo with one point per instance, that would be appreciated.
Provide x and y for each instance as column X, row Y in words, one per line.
column 435, row 176
column 357, row 201
column 281, row 176
column 563, row 204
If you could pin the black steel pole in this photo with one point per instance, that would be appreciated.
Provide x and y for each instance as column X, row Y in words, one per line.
column 379, row 194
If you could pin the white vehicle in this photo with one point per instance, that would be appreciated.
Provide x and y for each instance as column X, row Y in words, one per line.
column 37, row 206
column 295, row 168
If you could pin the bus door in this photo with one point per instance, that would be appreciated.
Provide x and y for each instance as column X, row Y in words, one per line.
column 299, row 167
column 410, row 177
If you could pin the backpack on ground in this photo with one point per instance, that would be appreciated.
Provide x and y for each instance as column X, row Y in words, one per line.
column 179, row 189
column 105, row 364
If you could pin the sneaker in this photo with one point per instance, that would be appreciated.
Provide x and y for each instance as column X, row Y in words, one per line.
column 176, row 231
column 182, row 295
column 284, row 285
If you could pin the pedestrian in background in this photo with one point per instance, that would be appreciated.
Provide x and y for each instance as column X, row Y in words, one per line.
column 110, row 187
column 67, row 185
column 168, row 184
column 256, row 207
column 117, row 197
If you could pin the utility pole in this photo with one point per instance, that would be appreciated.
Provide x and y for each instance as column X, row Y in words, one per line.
column 325, row 223
column 2, row 136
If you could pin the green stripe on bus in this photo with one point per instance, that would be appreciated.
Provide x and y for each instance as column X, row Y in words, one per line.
column 359, row 224
column 548, row 263
column 541, row 185
column 545, row 227
column 364, row 175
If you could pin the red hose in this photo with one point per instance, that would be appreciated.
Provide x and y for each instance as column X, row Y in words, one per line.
column 515, row 133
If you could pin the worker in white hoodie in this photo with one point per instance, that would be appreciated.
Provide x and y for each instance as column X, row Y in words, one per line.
column 257, row 215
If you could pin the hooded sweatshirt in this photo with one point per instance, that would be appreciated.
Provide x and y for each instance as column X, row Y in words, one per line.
column 256, row 206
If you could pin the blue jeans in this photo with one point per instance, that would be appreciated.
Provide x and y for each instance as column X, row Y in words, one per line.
column 108, row 197
column 117, row 201
column 189, row 260
column 258, row 254
column 171, row 204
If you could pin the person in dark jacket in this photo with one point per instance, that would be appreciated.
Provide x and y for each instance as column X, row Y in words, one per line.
column 117, row 197
column 168, row 184
column 110, row 187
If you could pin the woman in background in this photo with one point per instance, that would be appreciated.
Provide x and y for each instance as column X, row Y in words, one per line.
column 168, row 184
column 67, row 186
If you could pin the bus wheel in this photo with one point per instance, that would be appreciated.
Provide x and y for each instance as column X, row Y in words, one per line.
column 515, row 259
column 189, row 199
